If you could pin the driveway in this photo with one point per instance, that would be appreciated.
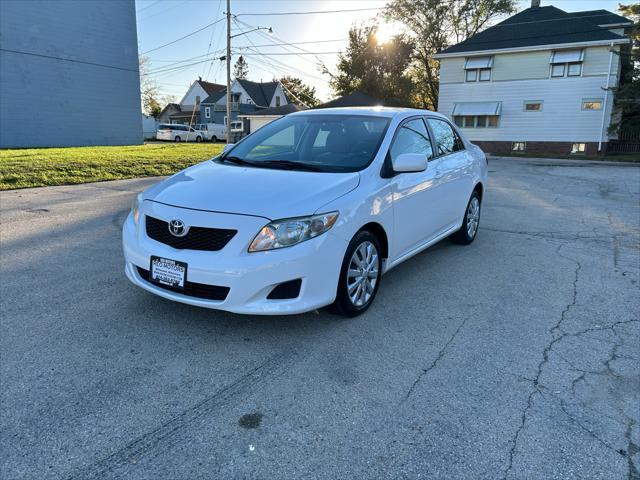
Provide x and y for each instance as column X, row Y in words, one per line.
column 517, row 357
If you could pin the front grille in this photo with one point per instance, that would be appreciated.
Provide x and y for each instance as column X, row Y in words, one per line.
column 197, row 238
column 191, row 289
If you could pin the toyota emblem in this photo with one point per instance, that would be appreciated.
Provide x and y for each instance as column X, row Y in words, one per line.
column 177, row 228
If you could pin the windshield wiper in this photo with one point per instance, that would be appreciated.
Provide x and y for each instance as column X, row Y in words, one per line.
column 236, row 160
column 289, row 165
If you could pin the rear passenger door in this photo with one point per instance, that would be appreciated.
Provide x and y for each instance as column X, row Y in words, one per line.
column 453, row 171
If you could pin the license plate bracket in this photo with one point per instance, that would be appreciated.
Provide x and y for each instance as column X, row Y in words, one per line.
column 166, row 271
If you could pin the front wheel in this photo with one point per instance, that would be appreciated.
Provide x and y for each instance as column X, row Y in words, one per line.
column 198, row 139
column 470, row 223
column 177, row 139
column 360, row 275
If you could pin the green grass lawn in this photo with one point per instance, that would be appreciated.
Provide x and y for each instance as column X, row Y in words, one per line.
column 37, row 167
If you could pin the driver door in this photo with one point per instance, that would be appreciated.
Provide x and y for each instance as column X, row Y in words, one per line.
column 416, row 209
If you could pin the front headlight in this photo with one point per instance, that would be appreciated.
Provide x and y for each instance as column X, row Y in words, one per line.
column 287, row 232
column 135, row 208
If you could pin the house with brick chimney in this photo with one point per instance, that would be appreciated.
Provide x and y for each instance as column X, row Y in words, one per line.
column 541, row 81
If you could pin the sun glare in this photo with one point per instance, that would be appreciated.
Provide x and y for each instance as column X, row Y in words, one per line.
column 387, row 30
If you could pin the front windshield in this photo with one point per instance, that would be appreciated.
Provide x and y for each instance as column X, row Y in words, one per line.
column 328, row 143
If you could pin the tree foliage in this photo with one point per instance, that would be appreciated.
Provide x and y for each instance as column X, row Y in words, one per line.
column 435, row 25
column 627, row 95
column 299, row 92
column 148, row 89
column 241, row 68
column 378, row 70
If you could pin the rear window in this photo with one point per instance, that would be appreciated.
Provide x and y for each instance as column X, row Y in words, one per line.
column 164, row 127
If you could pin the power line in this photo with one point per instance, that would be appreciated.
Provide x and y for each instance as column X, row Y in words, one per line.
column 163, row 10
column 148, row 6
column 182, row 38
column 314, row 12
column 298, row 43
column 291, row 53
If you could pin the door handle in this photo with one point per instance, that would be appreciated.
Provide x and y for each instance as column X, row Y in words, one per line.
column 439, row 174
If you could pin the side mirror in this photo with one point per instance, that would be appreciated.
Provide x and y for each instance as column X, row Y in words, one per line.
column 227, row 147
column 410, row 162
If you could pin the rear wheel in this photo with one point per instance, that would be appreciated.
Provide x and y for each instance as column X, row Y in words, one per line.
column 177, row 139
column 360, row 275
column 469, row 229
column 214, row 139
column 198, row 139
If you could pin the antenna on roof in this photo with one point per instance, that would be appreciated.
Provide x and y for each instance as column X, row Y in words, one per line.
column 535, row 3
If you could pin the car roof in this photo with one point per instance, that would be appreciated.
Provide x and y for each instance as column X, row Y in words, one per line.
column 387, row 112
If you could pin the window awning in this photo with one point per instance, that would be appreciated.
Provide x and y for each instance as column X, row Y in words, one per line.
column 477, row 108
column 478, row 62
column 566, row 56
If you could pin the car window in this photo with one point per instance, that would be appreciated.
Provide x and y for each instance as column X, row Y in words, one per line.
column 412, row 137
column 447, row 140
column 331, row 143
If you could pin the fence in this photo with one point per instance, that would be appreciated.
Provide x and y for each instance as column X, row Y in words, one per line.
column 628, row 141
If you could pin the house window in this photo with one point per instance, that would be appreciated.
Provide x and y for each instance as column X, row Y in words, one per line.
column 578, row 147
column 533, row 105
column 478, row 69
column 566, row 62
column 518, row 146
column 476, row 121
column 591, row 104
column 207, row 112
column 574, row 70
column 557, row 70
column 277, row 100
column 485, row 74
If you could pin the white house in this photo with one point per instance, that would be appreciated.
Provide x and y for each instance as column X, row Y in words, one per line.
column 69, row 73
column 539, row 81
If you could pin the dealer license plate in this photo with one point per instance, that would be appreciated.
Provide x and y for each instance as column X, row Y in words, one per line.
column 168, row 272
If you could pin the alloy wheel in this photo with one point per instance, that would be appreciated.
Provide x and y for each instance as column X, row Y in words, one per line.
column 473, row 216
column 363, row 274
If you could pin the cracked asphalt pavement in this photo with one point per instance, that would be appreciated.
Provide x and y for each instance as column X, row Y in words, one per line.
column 517, row 357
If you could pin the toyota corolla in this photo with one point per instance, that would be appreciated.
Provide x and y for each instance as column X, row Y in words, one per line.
column 308, row 211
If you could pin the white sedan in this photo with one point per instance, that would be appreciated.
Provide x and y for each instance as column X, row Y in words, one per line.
column 308, row 211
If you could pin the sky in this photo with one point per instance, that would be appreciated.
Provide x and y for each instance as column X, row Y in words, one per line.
column 163, row 21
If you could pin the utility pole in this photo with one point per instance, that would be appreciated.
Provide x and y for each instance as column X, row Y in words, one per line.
column 228, row 71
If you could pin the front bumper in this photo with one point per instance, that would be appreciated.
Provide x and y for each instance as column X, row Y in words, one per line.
column 250, row 277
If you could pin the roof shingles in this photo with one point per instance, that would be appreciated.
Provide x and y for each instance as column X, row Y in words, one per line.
column 537, row 26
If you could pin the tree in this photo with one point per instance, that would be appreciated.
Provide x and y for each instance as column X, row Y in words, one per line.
column 298, row 92
column 627, row 95
column 379, row 71
column 148, row 89
column 435, row 25
column 241, row 68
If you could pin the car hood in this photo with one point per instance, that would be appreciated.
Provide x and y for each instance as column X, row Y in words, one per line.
column 269, row 193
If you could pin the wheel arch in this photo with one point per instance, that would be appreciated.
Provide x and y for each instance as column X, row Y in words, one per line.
column 380, row 233
column 480, row 189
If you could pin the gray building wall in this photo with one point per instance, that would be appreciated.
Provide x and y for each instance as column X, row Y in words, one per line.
column 69, row 73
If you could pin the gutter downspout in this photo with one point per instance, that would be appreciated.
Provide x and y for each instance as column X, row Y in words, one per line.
column 606, row 97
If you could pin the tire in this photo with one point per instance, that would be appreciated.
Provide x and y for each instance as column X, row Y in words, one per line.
column 471, row 222
column 362, row 245
column 214, row 139
column 177, row 139
column 198, row 139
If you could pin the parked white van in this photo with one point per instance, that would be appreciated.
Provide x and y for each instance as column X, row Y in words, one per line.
column 179, row 133
column 212, row 131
